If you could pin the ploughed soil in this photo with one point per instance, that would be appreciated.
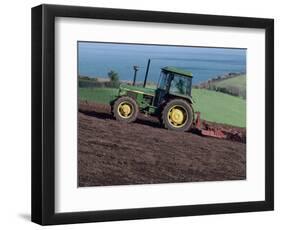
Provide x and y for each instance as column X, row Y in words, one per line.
column 114, row 153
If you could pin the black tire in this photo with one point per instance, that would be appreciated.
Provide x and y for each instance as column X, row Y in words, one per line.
column 117, row 111
column 186, row 111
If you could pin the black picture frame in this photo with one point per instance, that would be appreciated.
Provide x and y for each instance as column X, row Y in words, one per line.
column 43, row 110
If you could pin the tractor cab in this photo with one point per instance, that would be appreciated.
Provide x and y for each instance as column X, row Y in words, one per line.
column 173, row 82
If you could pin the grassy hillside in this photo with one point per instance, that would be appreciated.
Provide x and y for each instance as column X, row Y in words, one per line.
column 238, row 81
column 220, row 107
column 214, row 106
column 233, row 85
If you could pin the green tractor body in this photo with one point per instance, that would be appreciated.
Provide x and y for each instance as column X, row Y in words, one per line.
column 171, row 101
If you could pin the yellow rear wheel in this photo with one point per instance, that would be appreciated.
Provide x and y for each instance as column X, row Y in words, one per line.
column 177, row 115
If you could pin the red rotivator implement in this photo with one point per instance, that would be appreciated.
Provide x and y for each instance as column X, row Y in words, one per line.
column 206, row 129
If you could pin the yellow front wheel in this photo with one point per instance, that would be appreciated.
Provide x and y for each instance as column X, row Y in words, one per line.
column 125, row 109
column 177, row 115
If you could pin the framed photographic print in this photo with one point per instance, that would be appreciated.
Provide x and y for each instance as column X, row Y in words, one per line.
column 143, row 114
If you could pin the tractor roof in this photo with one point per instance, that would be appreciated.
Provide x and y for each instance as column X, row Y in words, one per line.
column 177, row 71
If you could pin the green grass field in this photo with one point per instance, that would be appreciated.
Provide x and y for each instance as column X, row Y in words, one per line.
column 214, row 106
column 239, row 81
column 220, row 107
column 99, row 95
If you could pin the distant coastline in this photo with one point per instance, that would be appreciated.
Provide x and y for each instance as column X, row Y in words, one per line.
column 218, row 78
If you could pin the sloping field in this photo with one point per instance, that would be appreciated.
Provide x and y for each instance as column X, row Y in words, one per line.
column 220, row 107
column 115, row 153
column 238, row 81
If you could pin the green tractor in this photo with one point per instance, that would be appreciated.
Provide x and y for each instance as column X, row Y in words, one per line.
column 171, row 101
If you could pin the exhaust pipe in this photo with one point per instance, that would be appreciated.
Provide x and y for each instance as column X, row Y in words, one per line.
column 136, row 68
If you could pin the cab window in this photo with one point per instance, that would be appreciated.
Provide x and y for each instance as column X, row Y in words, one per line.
column 163, row 83
column 180, row 85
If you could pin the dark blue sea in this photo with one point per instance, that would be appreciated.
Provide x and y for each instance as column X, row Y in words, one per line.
column 97, row 59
